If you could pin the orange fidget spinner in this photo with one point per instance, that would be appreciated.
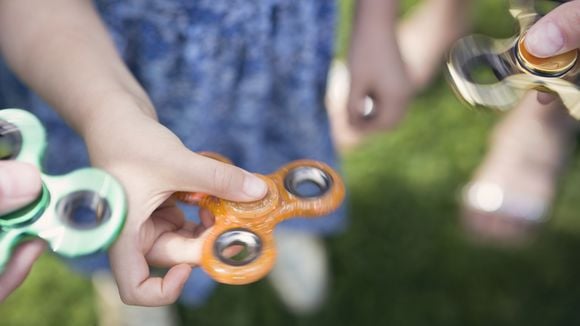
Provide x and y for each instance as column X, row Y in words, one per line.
column 240, row 248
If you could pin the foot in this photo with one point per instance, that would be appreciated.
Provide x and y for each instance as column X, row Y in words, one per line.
column 300, row 276
column 513, row 188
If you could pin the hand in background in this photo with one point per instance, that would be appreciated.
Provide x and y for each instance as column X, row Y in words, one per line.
column 390, row 61
column 377, row 70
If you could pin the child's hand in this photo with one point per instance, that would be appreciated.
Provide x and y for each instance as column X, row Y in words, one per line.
column 70, row 60
column 377, row 71
column 389, row 61
column 152, row 164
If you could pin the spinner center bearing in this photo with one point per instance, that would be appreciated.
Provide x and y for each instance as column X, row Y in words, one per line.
column 555, row 66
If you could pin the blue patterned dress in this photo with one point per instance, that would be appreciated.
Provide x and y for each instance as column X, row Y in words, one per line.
column 244, row 78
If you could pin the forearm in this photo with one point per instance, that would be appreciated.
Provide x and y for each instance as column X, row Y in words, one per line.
column 61, row 49
column 378, row 16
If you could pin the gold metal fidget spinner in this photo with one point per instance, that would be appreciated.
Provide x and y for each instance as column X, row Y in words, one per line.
column 515, row 69
column 240, row 248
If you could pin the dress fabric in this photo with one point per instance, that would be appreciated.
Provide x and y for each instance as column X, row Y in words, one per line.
column 244, row 78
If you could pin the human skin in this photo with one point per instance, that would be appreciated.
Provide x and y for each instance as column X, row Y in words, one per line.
column 19, row 185
column 62, row 50
column 376, row 67
column 389, row 61
column 556, row 33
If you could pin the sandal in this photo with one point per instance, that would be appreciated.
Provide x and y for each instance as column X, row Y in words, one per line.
column 514, row 187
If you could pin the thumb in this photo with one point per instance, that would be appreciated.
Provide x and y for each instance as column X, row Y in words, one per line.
column 220, row 179
column 557, row 32
column 19, row 185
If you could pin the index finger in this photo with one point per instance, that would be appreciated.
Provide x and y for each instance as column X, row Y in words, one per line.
column 19, row 266
column 136, row 285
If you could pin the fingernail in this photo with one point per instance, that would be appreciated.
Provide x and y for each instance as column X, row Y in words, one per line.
column 254, row 187
column 545, row 40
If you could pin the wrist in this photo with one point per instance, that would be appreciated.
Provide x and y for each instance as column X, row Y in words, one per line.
column 112, row 109
column 111, row 125
column 376, row 16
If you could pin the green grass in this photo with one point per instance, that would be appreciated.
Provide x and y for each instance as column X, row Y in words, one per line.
column 403, row 260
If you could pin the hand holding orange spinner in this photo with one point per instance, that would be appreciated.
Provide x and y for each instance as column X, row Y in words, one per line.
column 240, row 248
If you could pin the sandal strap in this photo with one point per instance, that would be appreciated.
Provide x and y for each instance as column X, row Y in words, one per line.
column 489, row 197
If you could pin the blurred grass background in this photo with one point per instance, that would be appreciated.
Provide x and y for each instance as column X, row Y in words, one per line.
column 403, row 260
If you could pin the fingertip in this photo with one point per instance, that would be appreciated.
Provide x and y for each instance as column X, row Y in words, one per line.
column 254, row 187
column 180, row 271
column 545, row 39
column 174, row 281
column 224, row 180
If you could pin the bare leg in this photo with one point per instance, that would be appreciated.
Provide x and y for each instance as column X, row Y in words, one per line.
column 513, row 188
column 428, row 33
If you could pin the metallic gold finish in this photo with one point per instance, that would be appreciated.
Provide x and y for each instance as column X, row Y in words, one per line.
column 251, row 225
column 517, row 71
column 550, row 67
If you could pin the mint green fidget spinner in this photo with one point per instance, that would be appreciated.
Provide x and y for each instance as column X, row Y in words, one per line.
column 76, row 214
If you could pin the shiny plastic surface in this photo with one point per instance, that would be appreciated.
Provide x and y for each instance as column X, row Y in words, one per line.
column 76, row 214
column 302, row 188
column 515, row 69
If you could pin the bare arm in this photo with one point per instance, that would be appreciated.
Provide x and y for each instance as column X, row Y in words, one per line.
column 61, row 49
column 376, row 67
column 377, row 14
column 391, row 60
